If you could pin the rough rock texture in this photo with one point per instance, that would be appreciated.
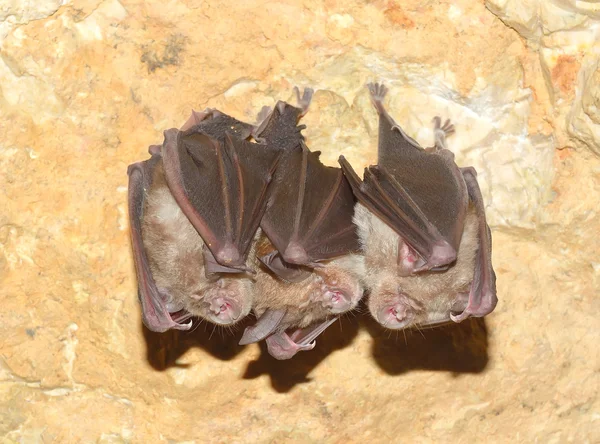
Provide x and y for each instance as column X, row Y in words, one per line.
column 87, row 86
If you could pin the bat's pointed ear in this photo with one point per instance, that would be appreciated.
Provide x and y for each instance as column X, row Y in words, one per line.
column 408, row 259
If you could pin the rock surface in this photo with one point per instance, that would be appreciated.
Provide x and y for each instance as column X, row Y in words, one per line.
column 87, row 85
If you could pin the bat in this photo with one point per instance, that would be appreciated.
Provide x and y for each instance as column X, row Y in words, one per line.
column 308, row 275
column 422, row 227
column 194, row 211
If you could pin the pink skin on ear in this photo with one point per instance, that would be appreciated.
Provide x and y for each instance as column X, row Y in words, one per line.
column 334, row 295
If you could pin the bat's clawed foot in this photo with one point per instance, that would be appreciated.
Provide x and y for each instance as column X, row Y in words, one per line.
column 304, row 101
column 447, row 128
column 378, row 92
column 282, row 347
column 440, row 132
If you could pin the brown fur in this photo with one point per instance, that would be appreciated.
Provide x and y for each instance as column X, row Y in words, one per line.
column 432, row 294
column 301, row 299
column 174, row 250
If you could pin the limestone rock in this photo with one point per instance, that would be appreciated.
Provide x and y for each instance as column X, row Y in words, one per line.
column 536, row 18
column 86, row 87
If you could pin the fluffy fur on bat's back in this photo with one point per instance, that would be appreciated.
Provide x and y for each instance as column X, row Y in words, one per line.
column 432, row 292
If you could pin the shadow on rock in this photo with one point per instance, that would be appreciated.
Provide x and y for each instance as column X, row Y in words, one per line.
column 287, row 374
column 457, row 348
column 163, row 349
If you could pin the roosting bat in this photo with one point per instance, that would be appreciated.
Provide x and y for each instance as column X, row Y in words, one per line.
column 423, row 230
column 310, row 277
column 194, row 210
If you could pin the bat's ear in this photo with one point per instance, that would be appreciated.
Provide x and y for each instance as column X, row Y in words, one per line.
column 408, row 259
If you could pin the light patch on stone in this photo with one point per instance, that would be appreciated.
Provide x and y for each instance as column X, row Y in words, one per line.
column 118, row 399
column 58, row 392
column 454, row 12
column 533, row 19
column 122, row 219
column 240, row 88
column 179, row 375
column 111, row 438
column 18, row 249
column 24, row 91
column 20, row 12
column 33, row 154
column 115, row 332
column 70, row 342
column 583, row 120
column 456, row 414
column 109, row 12
column 29, row 435
column 81, row 294
column 342, row 20
column 515, row 167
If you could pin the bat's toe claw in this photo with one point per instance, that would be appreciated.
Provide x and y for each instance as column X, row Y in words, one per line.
column 378, row 91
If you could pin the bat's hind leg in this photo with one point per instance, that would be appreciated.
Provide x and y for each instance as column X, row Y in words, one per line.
column 378, row 92
column 283, row 346
column 304, row 101
column 440, row 133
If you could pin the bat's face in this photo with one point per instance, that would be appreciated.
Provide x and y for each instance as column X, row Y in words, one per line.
column 336, row 286
column 332, row 289
column 223, row 302
column 424, row 299
column 402, row 302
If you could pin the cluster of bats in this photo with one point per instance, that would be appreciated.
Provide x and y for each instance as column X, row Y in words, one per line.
column 228, row 218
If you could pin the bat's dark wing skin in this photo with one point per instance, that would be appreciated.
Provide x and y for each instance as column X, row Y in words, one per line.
column 280, row 127
column 154, row 310
column 419, row 193
column 215, row 124
column 221, row 187
column 310, row 216
column 482, row 296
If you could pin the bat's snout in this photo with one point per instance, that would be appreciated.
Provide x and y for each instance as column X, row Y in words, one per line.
column 396, row 316
column 224, row 310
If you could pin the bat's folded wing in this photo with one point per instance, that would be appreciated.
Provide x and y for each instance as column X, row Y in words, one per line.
column 310, row 216
column 222, row 188
column 154, row 303
column 482, row 295
column 216, row 124
column 421, row 198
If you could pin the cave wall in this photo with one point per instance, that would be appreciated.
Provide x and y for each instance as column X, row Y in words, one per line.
column 87, row 85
